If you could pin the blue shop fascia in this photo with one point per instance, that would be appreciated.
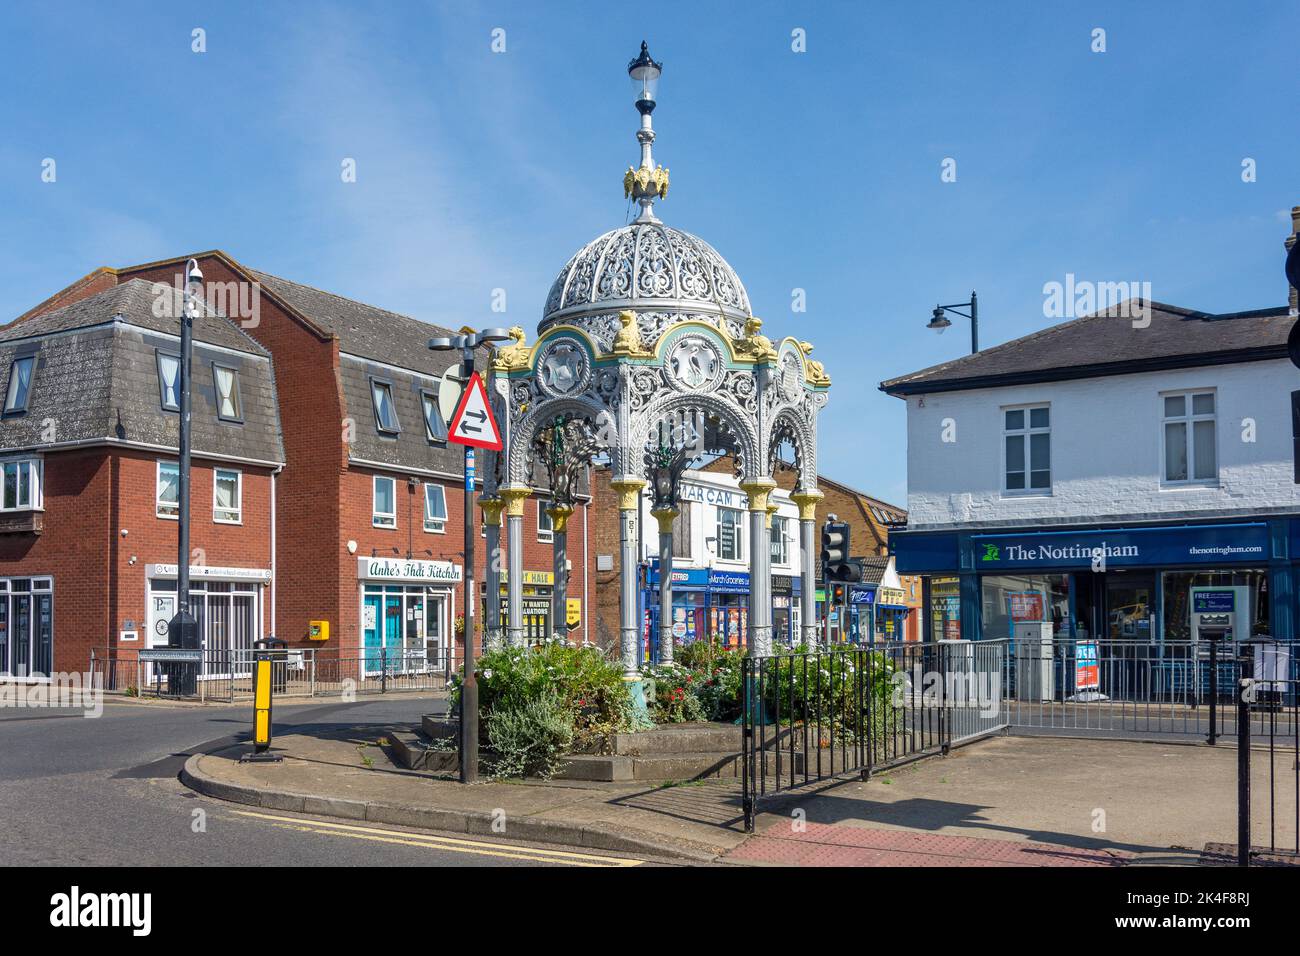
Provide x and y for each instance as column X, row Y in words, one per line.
column 1120, row 582
column 714, row 603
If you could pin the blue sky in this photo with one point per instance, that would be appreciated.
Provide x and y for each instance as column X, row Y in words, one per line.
column 817, row 170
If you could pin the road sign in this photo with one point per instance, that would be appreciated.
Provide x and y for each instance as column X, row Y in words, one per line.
column 450, row 389
column 473, row 423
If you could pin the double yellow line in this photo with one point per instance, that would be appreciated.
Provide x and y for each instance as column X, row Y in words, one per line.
column 449, row 844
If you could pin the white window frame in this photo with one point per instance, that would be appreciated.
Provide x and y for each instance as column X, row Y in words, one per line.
column 783, row 556
column 384, row 385
column 740, row 534
column 1026, row 433
column 11, row 406
column 35, row 469
column 1188, row 418
column 545, row 526
column 382, row 519
column 238, row 509
column 431, row 412
column 159, row 356
column 157, row 491
column 236, row 399
column 431, row 524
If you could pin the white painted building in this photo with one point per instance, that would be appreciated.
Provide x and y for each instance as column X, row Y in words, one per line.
column 1100, row 475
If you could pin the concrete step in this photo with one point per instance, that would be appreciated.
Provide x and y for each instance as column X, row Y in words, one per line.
column 679, row 739
column 410, row 750
column 618, row 768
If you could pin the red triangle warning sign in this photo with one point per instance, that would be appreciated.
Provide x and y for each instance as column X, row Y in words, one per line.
column 473, row 424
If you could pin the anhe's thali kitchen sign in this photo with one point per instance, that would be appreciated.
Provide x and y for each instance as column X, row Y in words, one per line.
column 408, row 571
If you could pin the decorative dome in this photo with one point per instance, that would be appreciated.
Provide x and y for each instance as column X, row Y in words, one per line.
column 646, row 266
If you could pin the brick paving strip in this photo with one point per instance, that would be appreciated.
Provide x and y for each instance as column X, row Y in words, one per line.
column 822, row 844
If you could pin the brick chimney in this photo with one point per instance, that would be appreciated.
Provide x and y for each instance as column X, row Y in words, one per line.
column 1291, row 241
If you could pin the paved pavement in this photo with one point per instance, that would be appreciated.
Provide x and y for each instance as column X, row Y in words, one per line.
column 103, row 792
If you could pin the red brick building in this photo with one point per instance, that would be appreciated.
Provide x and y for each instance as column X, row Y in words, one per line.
column 88, row 505
column 368, row 508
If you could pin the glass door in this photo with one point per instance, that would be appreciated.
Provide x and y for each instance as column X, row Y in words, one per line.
column 21, row 644
column 373, row 641
column 435, row 629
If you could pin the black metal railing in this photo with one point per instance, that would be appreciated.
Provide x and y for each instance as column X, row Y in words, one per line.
column 1268, row 752
column 811, row 717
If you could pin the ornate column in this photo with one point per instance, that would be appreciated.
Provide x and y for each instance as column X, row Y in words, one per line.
column 493, row 635
column 514, row 497
column 628, row 489
column 560, row 515
column 760, row 628
column 665, row 518
column 767, row 571
column 807, row 502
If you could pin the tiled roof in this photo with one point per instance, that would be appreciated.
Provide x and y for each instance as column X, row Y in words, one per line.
column 1111, row 343
column 96, row 377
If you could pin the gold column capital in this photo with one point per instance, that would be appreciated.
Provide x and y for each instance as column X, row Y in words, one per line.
column 628, row 490
column 492, row 508
column 807, row 502
column 515, row 496
column 758, row 489
column 560, row 515
column 771, row 510
column 665, row 518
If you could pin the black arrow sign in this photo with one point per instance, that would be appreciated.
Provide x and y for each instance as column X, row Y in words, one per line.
column 467, row 427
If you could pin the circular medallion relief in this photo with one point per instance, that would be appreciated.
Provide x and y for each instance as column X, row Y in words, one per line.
column 694, row 363
column 563, row 368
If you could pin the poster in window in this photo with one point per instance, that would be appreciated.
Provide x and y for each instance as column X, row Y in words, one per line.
column 1025, row 606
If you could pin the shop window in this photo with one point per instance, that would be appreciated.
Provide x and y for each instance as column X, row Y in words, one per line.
column 682, row 531
column 1010, row 599
column 545, row 526
column 169, row 381
column 780, row 535
column 384, row 507
column 1027, row 447
column 1189, row 438
column 167, row 494
column 435, row 508
column 22, row 485
column 20, row 384
column 381, row 394
column 729, row 531
column 1176, row 606
column 227, row 496
column 26, row 627
column 945, row 609
column 229, row 407
column 435, row 429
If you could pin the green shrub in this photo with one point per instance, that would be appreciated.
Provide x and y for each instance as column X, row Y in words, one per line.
column 675, row 700
column 531, row 739
column 827, row 687
column 585, row 688
column 717, row 685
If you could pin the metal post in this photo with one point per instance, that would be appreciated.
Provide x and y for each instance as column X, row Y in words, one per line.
column 515, row 498
column 1243, row 764
column 1214, row 693
column 628, row 488
column 560, row 515
column 492, row 521
column 665, row 518
column 760, row 632
column 807, row 502
column 974, row 323
column 186, row 374
column 469, row 689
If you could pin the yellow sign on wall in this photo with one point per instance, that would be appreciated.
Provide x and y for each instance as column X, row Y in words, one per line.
column 573, row 612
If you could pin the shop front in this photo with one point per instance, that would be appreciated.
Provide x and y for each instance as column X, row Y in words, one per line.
column 226, row 602
column 1137, row 586
column 407, row 610
column 714, row 604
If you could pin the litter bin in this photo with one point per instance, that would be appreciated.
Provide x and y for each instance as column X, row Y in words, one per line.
column 278, row 651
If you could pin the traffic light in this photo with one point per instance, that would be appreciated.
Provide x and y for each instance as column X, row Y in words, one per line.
column 835, row 545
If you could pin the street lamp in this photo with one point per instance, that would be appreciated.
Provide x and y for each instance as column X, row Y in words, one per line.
column 645, row 74
column 183, row 629
column 939, row 321
column 467, row 342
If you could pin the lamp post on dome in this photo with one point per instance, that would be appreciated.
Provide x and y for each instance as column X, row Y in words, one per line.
column 647, row 181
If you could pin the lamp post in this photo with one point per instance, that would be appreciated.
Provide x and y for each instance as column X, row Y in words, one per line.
column 939, row 321
column 467, row 342
column 182, row 630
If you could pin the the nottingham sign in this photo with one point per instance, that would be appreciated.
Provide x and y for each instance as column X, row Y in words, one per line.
column 408, row 571
column 1124, row 547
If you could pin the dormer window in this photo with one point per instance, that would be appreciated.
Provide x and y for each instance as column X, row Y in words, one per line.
column 169, row 381
column 435, row 429
column 385, row 412
column 229, row 408
column 20, row 384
